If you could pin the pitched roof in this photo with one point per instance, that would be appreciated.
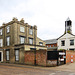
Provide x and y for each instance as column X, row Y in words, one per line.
column 64, row 34
column 68, row 19
column 51, row 41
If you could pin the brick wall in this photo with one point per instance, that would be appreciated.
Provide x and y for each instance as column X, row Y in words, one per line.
column 40, row 57
column 29, row 57
column 51, row 63
column 69, row 55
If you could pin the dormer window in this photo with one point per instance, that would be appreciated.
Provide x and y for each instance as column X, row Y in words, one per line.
column 1, row 31
column 8, row 29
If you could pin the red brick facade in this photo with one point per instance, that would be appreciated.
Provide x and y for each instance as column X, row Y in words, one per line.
column 70, row 55
column 29, row 57
column 41, row 56
column 52, row 45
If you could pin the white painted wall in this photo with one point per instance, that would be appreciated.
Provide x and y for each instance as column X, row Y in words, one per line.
column 67, row 37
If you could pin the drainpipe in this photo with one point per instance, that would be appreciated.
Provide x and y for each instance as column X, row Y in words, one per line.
column 35, row 45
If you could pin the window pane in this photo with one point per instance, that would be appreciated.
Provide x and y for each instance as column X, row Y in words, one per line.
column 31, row 31
column 8, row 29
column 7, row 52
column 0, row 31
column 17, row 58
column 22, row 40
column 17, row 52
column 41, row 43
column 8, row 41
column 63, row 43
column 30, row 41
column 16, row 55
column 1, row 42
column 22, row 29
column 7, row 55
column 71, row 42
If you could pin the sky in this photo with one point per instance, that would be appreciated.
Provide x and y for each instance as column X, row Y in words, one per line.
column 48, row 15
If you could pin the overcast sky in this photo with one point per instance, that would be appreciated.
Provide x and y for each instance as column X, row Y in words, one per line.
column 48, row 15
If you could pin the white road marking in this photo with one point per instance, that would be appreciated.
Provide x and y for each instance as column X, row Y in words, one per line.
column 52, row 73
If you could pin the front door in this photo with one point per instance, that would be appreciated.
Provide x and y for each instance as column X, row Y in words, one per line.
column 0, row 56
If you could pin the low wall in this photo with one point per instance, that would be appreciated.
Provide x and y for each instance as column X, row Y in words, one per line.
column 51, row 63
column 29, row 57
column 70, row 55
column 41, row 56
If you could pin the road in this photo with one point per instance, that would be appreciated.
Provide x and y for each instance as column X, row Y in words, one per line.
column 12, row 70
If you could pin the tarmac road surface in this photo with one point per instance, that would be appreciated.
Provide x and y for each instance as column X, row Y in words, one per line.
column 18, row 70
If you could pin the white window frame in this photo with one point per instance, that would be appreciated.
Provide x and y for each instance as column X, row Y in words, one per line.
column 30, row 40
column 16, row 55
column 1, row 42
column 72, row 40
column 62, row 43
column 7, row 55
column 22, row 40
column 1, row 31
column 47, row 45
column 31, row 31
column 22, row 29
column 8, row 41
column 50, row 45
column 8, row 29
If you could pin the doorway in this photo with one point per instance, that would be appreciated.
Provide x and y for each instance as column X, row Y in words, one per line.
column 0, row 56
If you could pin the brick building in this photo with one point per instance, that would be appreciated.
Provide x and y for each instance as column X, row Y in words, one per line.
column 51, row 44
column 16, row 37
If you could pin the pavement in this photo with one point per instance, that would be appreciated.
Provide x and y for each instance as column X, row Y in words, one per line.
column 67, row 67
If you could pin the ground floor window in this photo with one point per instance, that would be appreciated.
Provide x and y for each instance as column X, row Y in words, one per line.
column 7, row 55
column 16, row 55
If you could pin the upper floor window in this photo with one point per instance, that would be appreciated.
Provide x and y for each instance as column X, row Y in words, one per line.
column 22, row 29
column 40, row 43
column 31, row 31
column 50, row 45
column 53, row 45
column 47, row 46
column 22, row 40
column 63, row 43
column 1, row 42
column 71, row 42
column 30, row 41
column 8, row 41
column 8, row 29
column 1, row 31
